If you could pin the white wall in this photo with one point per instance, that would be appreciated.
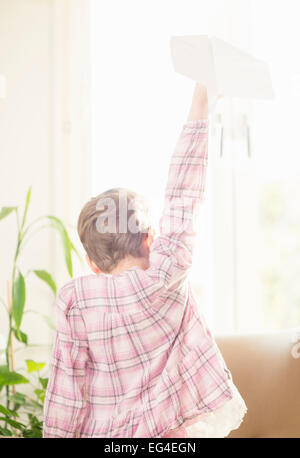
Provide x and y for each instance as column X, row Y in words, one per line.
column 43, row 141
column 25, row 141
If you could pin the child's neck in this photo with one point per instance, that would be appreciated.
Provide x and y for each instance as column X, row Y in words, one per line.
column 129, row 262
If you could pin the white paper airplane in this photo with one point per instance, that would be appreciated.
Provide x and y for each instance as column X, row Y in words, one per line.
column 223, row 68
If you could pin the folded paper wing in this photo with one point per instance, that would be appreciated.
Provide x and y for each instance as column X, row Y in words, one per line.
column 223, row 68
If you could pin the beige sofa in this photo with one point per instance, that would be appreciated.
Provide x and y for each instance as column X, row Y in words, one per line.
column 266, row 370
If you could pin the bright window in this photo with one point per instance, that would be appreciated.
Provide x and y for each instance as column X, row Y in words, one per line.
column 139, row 104
column 276, row 144
column 247, row 260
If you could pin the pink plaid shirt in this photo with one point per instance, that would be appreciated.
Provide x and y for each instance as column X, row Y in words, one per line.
column 133, row 356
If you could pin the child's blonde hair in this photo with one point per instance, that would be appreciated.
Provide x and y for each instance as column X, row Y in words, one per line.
column 113, row 226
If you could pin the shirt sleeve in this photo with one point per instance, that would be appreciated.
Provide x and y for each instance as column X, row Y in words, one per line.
column 172, row 251
column 65, row 404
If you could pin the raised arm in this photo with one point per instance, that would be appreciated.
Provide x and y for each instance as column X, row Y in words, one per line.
column 199, row 105
column 171, row 253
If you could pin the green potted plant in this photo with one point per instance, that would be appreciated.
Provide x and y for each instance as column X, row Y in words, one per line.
column 21, row 414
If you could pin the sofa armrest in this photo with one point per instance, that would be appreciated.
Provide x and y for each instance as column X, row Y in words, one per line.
column 268, row 377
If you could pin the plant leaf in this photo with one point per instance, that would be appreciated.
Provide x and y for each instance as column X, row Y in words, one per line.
column 5, row 432
column 10, row 378
column 32, row 366
column 22, row 400
column 76, row 252
column 19, row 399
column 33, row 405
column 33, row 433
column 47, row 278
column 5, row 211
column 43, row 382
column 6, row 412
column 19, row 296
column 57, row 224
column 13, row 423
column 27, row 201
column 40, row 394
column 36, row 427
column 20, row 336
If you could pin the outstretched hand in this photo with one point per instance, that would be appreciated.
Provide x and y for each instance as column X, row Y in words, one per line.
column 201, row 106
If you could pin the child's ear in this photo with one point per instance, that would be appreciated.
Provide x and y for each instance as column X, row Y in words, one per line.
column 150, row 237
column 92, row 265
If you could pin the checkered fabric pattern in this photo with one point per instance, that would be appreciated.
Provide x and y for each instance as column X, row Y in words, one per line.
column 133, row 356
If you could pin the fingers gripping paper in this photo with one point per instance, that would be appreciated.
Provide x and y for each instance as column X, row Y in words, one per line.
column 223, row 68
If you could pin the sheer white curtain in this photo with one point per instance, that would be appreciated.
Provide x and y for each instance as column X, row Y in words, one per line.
column 71, row 166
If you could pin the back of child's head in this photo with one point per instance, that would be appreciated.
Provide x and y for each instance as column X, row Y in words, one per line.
column 113, row 226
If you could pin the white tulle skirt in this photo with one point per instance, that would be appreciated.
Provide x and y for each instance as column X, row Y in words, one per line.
column 216, row 424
